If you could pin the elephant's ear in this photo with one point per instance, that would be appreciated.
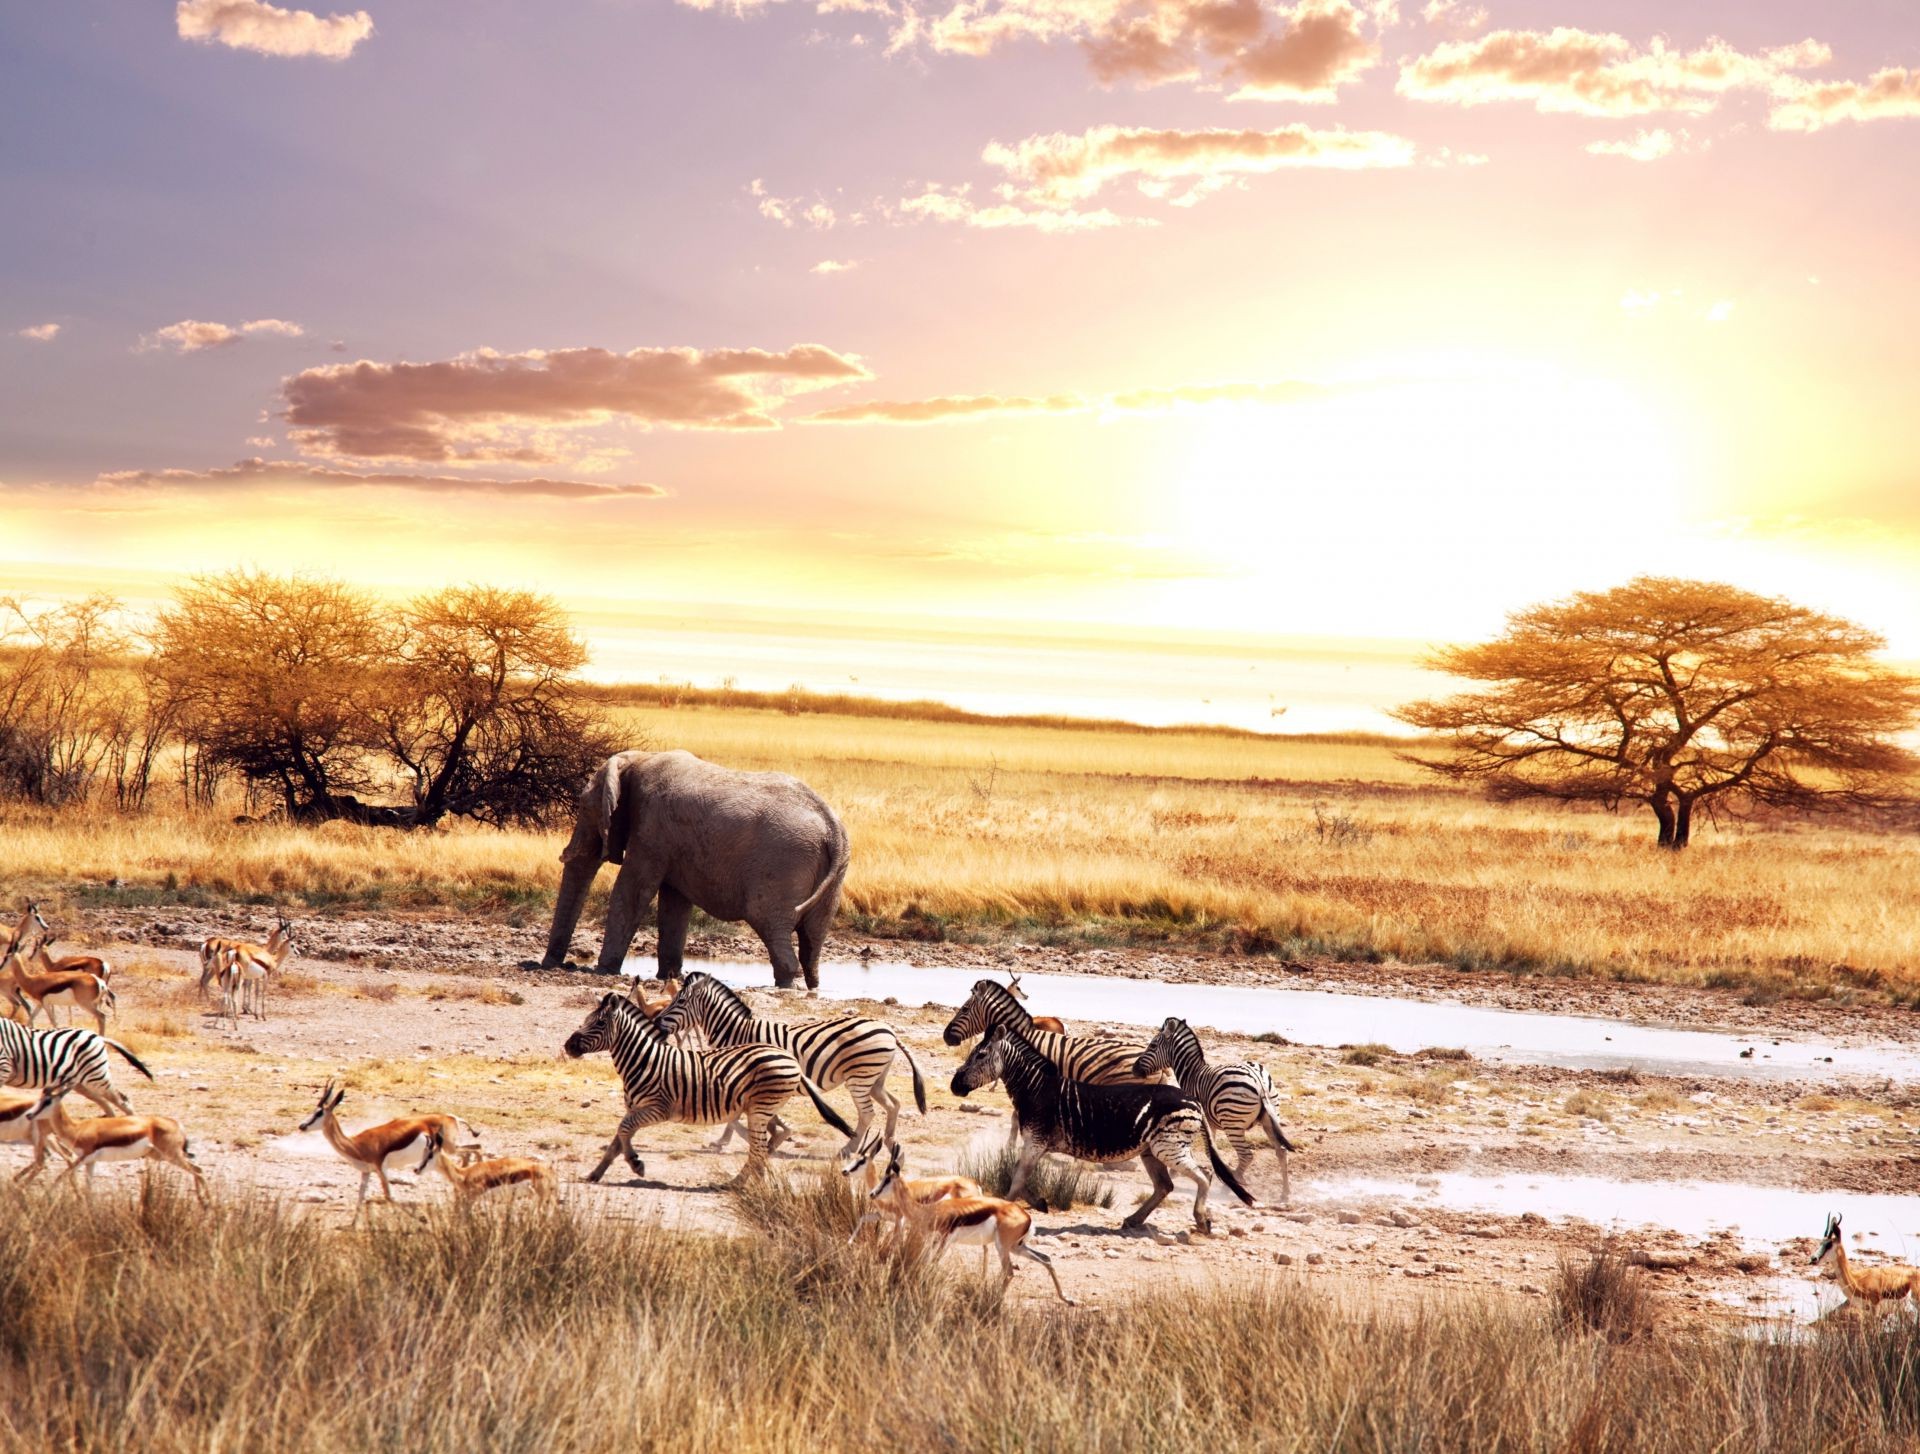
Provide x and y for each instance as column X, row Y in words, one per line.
column 616, row 814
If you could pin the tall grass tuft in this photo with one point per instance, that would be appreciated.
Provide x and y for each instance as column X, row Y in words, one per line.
column 147, row 1323
column 1605, row 1295
column 1057, row 1183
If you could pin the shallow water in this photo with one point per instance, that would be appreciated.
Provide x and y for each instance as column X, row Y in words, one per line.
column 1320, row 1017
column 1762, row 1217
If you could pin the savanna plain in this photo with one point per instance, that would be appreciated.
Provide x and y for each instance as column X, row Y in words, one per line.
column 672, row 1314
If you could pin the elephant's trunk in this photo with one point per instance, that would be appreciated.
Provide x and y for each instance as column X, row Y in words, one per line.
column 575, row 880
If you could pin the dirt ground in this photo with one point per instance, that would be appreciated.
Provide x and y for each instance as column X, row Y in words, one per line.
column 418, row 1015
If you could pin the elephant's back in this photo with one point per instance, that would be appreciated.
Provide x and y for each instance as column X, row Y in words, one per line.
column 729, row 798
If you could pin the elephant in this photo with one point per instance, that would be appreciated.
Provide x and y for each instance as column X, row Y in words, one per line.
column 756, row 846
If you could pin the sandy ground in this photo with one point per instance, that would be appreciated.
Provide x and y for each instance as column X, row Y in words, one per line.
column 426, row 1015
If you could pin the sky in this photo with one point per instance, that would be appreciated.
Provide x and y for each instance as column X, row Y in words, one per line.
column 1337, row 319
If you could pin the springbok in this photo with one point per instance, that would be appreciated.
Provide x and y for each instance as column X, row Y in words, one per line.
column 49, row 984
column 216, row 953
column 29, row 917
column 969, row 1221
column 1052, row 1024
column 389, row 1146
column 863, row 1164
column 1868, row 1289
column 85, row 963
column 19, row 1128
column 475, row 1179
column 109, row 1138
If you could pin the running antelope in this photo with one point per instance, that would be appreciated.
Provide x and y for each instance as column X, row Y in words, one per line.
column 389, row 1146
column 18, row 1128
column 1868, row 1289
column 475, row 1179
column 1097, row 1123
column 865, row 1165
column 110, row 1138
column 968, row 1221
column 29, row 917
column 1236, row 1096
column 695, row 1087
column 49, row 984
column 217, row 952
column 74, row 1057
column 848, row 1050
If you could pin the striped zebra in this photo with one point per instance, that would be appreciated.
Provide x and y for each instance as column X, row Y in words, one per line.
column 43, row 1058
column 697, row 1087
column 1236, row 1096
column 847, row 1050
column 1097, row 1123
column 1097, row 1059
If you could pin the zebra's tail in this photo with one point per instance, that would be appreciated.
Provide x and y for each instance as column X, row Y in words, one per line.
column 130, row 1057
column 827, row 1112
column 919, row 1086
column 1270, row 1122
column 1220, row 1168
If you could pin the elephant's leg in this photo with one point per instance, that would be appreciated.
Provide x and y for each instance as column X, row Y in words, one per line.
column 633, row 890
column 575, row 880
column 812, row 931
column 778, row 937
column 675, row 913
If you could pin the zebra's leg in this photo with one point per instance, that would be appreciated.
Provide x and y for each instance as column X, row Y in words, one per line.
column 1274, row 1134
column 105, row 1097
column 1030, row 1153
column 863, row 1098
column 622, row 1142
column 1162, row 1185
column 671, row 920
column 883, row 1093
column 1176, row 1151
column 777, row 1131
column 726, row 1135
column 1243, row 1148
column 759, row 1140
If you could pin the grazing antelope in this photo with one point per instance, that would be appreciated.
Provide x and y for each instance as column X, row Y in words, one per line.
column 474, row 1179
column 389, row 1146
column 1236, row 1096
column 1097, row 1123
column 1868, row 1289
column 971, row 1221
column 77, row 1058
column 216, row 952
column 695, row 1087
column 848, row 1050
column 110, row 1138
column 49, row 984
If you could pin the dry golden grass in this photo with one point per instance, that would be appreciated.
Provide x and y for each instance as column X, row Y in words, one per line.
column 1297, row 848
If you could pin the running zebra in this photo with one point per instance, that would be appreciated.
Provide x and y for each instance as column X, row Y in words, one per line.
column 1235, row 1096
column 1098, row 1123
column 43, row 1058
column 697, row 1087
column 847, row 1050
column 1096, row 1059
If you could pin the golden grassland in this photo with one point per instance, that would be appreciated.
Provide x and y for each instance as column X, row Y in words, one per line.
column 148, row 1322
column 1271, row 845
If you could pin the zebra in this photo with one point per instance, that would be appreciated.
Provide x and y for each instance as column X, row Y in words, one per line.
column 698, row 1087
column 1097, row 1059
column 43, row 1058
column 1098, row 1123
column 848, row 1050
column 1235, row 1096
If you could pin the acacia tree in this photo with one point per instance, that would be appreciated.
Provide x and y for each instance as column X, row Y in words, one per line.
column 1682, row 695
column 483, row 711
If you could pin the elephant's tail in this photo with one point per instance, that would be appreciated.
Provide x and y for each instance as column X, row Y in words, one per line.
column 836, row 872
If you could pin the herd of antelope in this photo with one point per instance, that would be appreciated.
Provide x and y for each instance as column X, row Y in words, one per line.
column 694, row 1052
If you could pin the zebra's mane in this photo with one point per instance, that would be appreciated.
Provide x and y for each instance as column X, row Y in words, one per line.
column 722, row 996
column 1001, row 1001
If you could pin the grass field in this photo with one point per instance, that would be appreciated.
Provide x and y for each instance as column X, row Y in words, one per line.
column 147, row 1322
column 1271, row 845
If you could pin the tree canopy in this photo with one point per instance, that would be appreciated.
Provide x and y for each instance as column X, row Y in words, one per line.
column 1682, row 695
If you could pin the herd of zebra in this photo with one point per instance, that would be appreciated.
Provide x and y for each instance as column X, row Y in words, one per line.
column 699, row 1055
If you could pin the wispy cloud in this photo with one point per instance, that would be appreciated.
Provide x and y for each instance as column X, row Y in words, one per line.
column 956, row 204
column 192, row 335
column 1648, row 146
column 482, row 405
column 39, row 332
column 1889, row 95
column 1154, row 399
column 1596, row 74
column 828, row 266
column 254, row 474
column 269, row 30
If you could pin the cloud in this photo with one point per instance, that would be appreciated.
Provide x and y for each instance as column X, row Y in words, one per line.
column 1648, row 146
column 260, row 473
column 1594, row 74
column 1892, row 94
column 793, row 211
column 827, row 266
column 1064, row 168
column 40, row 332
column 1455, row 15
column 955, row 204
column 951, row 408
column 481, row 405
column 1721, row 311
column 269, row 30
column 191, row 335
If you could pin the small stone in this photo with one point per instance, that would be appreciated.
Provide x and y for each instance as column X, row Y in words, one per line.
column 1285, row 1259
column 1534, row 1289
column 1298, row 1216
column 1661, row 1261
column 1363, row 1244
column 1258, row 1227
column 1402, row 1218
column 1446, row 1267
column 1348, row 1218
column 1236, row 1231
column 1314, row 1259
column 1419, row 1257
column 311, row 1196
column 1416, row 1272
column 202, row 1085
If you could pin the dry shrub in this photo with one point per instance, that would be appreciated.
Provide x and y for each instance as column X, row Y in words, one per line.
column 1605, row 1295
column 488, row 993
column 1059, row 1183
column 386, row 992
column 1595, row 1105
column 1657, row 1100
column 1368, row 1055
column 156, row 1023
